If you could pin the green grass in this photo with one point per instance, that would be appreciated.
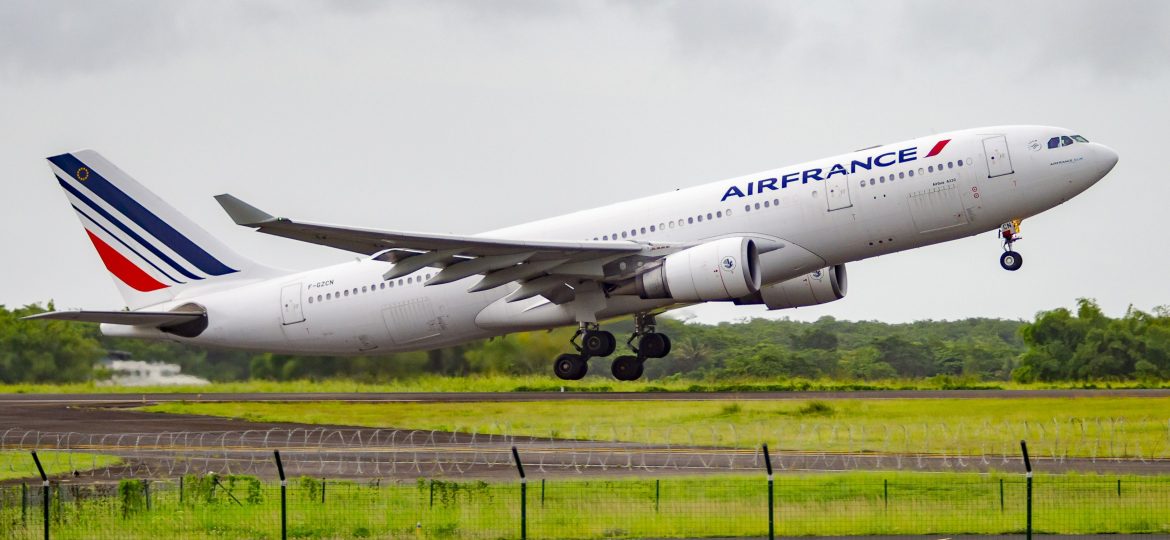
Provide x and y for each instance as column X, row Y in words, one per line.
column 533, row 383
column 674, row 507
column 19, row 463
column 1086, row 427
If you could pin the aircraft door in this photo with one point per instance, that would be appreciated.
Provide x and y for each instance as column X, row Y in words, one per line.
column 999, row 161
column 290, row 304
column 837, row 192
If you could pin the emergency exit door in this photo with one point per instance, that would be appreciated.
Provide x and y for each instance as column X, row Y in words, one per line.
column 290, row 301
column 837, row 192
column 999, row 161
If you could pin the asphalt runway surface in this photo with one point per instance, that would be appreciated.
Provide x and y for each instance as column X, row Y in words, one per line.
column 153, row 444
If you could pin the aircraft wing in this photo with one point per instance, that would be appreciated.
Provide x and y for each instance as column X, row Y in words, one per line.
column 541, row 267
column 134, row 318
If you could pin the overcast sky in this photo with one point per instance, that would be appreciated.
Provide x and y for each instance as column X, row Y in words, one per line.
column 463, row 116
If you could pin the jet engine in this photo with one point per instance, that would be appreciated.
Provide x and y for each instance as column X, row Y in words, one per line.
column 819, row 287
column 718, row 270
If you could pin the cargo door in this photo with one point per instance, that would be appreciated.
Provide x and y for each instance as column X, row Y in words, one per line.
column 999, row 161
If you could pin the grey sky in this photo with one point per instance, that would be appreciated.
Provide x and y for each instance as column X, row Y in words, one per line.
column 456, row 116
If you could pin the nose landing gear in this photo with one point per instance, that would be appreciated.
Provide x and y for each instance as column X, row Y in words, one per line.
column 1010, row 233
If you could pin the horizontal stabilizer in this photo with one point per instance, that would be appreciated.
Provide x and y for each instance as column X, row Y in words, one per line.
column 134, row 318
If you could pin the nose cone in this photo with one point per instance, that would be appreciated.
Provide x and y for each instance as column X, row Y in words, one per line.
column 1107, row 158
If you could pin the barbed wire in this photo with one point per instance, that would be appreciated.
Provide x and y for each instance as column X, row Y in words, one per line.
column 1090, row 444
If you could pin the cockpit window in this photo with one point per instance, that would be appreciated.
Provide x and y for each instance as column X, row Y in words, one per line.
column 1078, row 138
column 1063, row 140
column 1053, row 142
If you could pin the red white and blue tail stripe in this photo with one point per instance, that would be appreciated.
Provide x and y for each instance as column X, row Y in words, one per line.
column 151, row 249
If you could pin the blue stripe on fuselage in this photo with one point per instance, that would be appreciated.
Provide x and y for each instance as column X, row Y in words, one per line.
column 143, row 218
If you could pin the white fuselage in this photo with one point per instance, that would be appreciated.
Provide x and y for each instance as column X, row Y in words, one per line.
column 877, row 201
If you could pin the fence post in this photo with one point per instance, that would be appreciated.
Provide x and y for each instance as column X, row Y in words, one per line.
column 523, row 495
column 323, row 481
column 542, row 492
column 771, row 510
column 23, row 503
column 283, row 496
column 432, row 493
column 1028, row 468
column 180, row 490
column 44, row 492
column 886, row 492
column 1119, row 487
column 657, row 493
column 146, row 492
column 1001, row 507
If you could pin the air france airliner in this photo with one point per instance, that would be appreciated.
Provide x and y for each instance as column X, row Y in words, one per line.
column 780, row 238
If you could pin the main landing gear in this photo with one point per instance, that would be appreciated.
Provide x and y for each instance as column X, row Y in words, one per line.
column 596, row 342
column 1010, row 233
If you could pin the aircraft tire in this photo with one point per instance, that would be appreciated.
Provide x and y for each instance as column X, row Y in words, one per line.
column 627, row 368
column 598, row 343
column 654, row 345
column 570, row 367
column 1011, row 261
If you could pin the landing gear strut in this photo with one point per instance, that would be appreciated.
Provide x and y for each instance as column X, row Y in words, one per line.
column 1010, row 233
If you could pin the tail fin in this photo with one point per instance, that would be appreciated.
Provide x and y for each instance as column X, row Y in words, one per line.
column 152, row 251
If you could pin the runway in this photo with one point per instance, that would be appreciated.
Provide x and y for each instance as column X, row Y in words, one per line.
column 155, row 444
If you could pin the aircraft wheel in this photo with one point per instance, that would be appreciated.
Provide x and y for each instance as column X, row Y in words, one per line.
column 627, row 368
column 654, row 345
column 598, row 343
column 571, row 367
column 1011, row 261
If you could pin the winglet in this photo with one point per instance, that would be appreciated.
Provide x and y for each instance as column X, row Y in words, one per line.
column 243, row 213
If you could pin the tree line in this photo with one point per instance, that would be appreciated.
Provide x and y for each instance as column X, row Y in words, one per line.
column 1058, row 344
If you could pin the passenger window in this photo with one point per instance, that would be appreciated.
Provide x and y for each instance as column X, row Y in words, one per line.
column 729, row 212
column 644, row 229
column 863, row 183
column 653, row 228
column 318, row 298
column 767, row 204
column 310, row 299
column 410, row 279
column 901, row 175
column 623, row 234
column 1053, row 142
column 355, row 291
column 633, row 232
column 346, row 292
column 871, row 182
column 775, row 202
column 719, row 214
column 382, row 285
column 672, row 224
column 690, row 220
column 708, row 216
column 747, row 208
column 882, row 180
column 700, row 218
column 910, row 172
column 363, row 288
column 757, row 206
column 329, row 296
column 391, row 284
column 662, row 226
column 920, row 171
column 950, row 164
column 930, row 168
column 400, row 281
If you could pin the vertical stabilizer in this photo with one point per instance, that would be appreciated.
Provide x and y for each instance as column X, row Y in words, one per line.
column 152, row 251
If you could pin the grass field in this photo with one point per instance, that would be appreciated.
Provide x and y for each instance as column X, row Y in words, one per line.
column 19, row 464
column 725, row 506
column 1085, row 427
column 534, row 383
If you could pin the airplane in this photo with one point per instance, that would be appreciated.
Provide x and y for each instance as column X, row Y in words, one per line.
column 780, row 238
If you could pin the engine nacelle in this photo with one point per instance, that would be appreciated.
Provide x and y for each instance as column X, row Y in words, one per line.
column 819, row 287
column 717, row 270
